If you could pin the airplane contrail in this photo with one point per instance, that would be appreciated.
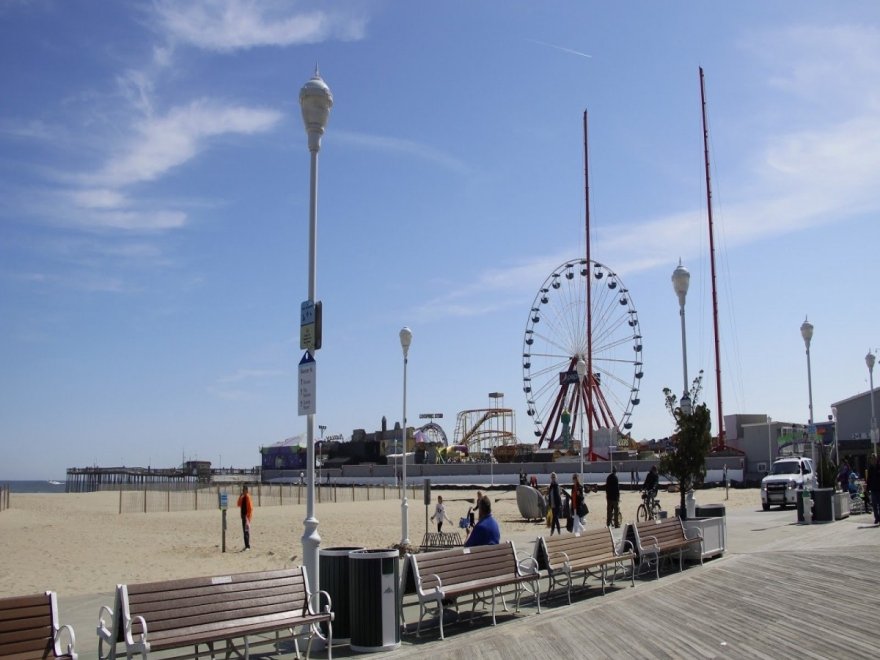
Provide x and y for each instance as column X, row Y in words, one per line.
column 562, row 48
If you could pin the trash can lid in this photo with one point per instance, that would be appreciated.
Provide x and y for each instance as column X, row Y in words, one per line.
column 340, row 551
column 381, row 553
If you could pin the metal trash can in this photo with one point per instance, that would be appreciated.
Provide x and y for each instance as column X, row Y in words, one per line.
column 333, row 578
column 710, row 511
column 822, row 509
column 374, row 600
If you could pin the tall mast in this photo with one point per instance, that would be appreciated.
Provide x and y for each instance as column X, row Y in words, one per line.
column 589, row 280
column 712, row 261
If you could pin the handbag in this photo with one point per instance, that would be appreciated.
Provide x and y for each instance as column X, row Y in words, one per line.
column 582, row 509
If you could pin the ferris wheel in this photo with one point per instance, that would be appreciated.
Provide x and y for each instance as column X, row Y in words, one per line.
column 556, row 338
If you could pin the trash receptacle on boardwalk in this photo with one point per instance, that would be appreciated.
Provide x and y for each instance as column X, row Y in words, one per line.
column 333, row 572
column 374, row 598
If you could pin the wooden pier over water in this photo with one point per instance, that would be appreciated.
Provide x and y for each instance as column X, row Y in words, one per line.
column 191, row 475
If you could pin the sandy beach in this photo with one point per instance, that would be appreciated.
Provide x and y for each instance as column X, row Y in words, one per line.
column 77, row 544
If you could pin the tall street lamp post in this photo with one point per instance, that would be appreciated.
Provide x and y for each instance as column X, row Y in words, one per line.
column 807, row 334
column 315, row 101
column 681, row 279
column 495, row 396
column 869, row 360
column 582, row 372
column 405, row 341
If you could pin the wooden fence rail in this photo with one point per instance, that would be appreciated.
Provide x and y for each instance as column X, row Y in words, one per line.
column 154, row 500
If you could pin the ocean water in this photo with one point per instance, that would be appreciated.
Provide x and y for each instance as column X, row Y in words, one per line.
column 34, row 486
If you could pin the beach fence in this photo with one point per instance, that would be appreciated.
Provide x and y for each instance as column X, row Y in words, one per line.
column 156, row 500
column 4, row 497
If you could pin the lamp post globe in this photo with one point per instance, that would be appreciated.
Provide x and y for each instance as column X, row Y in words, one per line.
column 681, row 280
column 315, row 102
column 405, row 341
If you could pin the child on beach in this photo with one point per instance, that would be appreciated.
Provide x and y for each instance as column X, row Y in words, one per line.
column 440, row 514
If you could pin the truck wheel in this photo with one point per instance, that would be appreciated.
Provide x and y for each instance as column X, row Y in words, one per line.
column 766, row 506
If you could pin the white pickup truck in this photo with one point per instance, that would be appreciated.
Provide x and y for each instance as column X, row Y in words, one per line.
column 786, row 476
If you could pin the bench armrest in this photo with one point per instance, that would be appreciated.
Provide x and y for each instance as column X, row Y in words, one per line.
column 436, row 592
column 104, row 633
column 328, row 609
column 622, row 547
column 71, row 642
column 129, row 639
column 655, row 544
column 528, row 566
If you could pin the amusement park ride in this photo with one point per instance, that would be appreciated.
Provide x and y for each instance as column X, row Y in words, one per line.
column 582, row 313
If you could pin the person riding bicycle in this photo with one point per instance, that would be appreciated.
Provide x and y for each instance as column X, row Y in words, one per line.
column 652, row 480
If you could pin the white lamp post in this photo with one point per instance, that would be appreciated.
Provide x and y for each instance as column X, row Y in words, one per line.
column 869, row 360
column 315, row 101
column 495, row 396
column 582, row 372
column 681, row 279
column 769, row 445
column 405, row 341
column 807, row 334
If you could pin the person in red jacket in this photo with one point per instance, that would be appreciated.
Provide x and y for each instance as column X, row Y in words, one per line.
column 247, row 511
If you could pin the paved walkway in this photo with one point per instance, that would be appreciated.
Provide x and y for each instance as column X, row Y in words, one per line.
column 781, row 590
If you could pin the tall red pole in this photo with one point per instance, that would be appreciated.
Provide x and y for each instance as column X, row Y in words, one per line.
column 712, row 261
column 589, row 281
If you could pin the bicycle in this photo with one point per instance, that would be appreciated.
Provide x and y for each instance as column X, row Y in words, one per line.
column 649, row 509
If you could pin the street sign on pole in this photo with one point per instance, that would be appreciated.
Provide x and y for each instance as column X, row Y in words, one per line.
column 307, row 375
column 310, row 325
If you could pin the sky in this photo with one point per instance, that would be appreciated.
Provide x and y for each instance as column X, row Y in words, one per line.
column 154, row 199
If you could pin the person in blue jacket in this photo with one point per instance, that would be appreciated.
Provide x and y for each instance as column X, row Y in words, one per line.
column 486, row 531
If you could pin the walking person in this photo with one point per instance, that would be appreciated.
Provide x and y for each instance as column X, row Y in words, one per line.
column 440, row 514
column 554, row 501
column 578, row 505
column 873, row 487
column 247, row 511
column 612, row 499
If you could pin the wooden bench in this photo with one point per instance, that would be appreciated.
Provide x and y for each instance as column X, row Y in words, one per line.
column 176, row 614
column 592, row 553
column 655, row 539
column 441, row 577
column 29, row 628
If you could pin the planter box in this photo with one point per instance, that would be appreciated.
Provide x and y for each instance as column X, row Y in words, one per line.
column 714, row 531
column 840, row 502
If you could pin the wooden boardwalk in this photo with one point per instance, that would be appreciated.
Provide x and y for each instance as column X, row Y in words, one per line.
column 781, row 591
column 806, row 604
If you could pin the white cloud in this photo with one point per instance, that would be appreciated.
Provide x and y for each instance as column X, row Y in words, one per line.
column 401, row 146
column 163, row 143
column 228, row 25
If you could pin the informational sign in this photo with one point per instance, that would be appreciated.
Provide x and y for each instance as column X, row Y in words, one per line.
column 224, row 501
column 307, row 388
column 310, row 325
